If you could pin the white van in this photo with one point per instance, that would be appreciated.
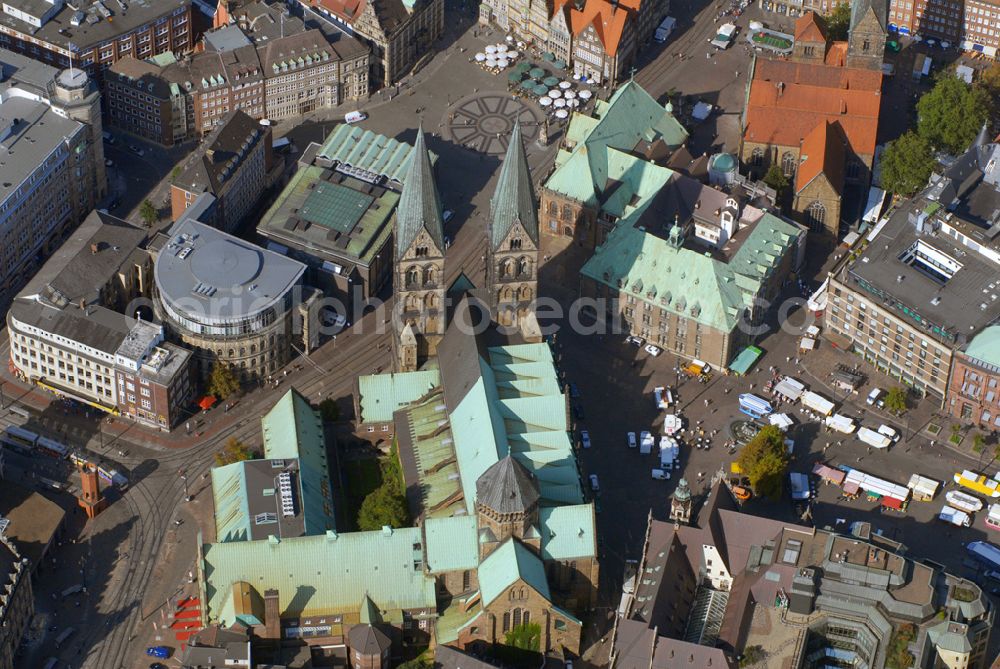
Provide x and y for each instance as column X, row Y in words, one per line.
column 660, row 475
column 355, row 117
column 889, row 432
column 873, row 396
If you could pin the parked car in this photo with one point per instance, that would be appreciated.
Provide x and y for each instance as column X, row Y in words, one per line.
column 447, row 215
column 632, row 443
column 873, row 396
column 585, row 438
column 332, row 319
column 574, row 391
column 635, row 341
column 158, row 651
column 595, row 485
column 653, row 350
column 660, row 475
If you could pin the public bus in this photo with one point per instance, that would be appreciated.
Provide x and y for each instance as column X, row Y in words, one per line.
column 52, row 448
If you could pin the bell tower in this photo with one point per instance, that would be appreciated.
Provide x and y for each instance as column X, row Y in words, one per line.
column 680, row 503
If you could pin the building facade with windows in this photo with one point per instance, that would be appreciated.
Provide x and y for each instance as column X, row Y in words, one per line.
column 93, row 35
column 52, row 170
column 599, row 38
column 69, row 336
column 401, row 33
column 17, row 604
column 974, row 390
column 169, row 100
column 926, row 285
column 816, row 114
column 233, row 165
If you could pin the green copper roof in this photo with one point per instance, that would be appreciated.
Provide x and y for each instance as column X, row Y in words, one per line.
column 514, row 199
column 985, row 346
column 630, row 120
column 451, row 544
column 321, row 574
column 419, row 204
column 505, row 565
column 361, row 149
column 293, row 429
column 232, row 513
column 689, row 282
column 567, row 531
column 382, row 395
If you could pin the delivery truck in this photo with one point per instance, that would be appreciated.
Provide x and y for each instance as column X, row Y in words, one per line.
column 873, row 438
column 840, row 423
column 816, row 402
column 955, row 517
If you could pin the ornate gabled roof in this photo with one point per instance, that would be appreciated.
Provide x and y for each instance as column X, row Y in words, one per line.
column 514, row 198
column 419, row 204
column 507, row 487
column 859, row 8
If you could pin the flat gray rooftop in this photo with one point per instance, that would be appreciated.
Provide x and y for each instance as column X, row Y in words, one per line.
column 31, row 131
column 95, row 28
column 212, row 276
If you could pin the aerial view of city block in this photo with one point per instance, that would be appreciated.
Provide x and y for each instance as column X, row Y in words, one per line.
column 499, row 334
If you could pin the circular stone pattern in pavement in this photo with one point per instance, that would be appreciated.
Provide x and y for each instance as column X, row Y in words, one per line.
column 483, row 121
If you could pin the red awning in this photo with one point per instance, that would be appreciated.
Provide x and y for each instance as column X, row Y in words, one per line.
column 892, row 503
column 206, row 402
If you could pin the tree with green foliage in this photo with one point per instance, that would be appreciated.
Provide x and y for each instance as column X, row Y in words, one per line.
column 907, row 164
column 838, row 22
column 419, row 662
column 174, row 173
column 950, row 115
column 329, row 410
column 383, row 506
column 752, row 655
column 527, row 636
column 222, row 382
column 776, row 179
column 897, row 656
column 895, row 400
column 234, row 451
column 765, row 461
column 978, row 441
column 148, row 213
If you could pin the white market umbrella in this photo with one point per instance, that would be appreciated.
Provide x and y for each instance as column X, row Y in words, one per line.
column 501, row 48
column 573, row 103
column 510, row 38
column 555, row 93
column 569, row 94
column 559, row 103
column 576, row 77
column 502, row 62
column 480, row 57
column 585, row 95
column 545, row 102
column 491, row 49
column 512, row 54
column 565, row 85
column 491, row 62
column 561, row 113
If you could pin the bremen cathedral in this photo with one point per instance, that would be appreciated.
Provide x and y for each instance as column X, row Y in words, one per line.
column 423, row 299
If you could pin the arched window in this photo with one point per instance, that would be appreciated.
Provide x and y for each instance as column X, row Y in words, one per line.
column 567, row 213
column 524, row 295
column 866, row 46
column 515, row 244
column 412, row 302
column 232, row 353
column 506, row 269
column 788, row 163
column 429, row 276
column 757, row 157
column 816, row 216
column 253, row 348
column 523, row 267
column 517, row 617
column 527, row 617
column 568, row 231
column 243, row 351
column 553, row 209
column 411, row 276
column 506, row 621
column 431, row 301
column 421, row 251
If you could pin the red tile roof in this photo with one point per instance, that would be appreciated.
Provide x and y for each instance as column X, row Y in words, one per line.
column 810, row 28
column 608, row 21
column 788, row 100
column 822, row 152
column 349, row 10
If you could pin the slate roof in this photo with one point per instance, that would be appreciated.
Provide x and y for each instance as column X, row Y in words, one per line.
column 859, row 8
column 221, row 154
column 507, row 487
column 446, row 657
column 419, row 204
column 367, row 640
column 787, row 100
column 514, row 199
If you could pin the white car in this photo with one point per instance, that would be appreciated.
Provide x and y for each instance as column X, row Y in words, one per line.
column 333, row 319
column 595, row 485
column 635, row 341
column 585, row 438
column 653, row 350
column 632, row 443
column 873, row 396
column 447, row 215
